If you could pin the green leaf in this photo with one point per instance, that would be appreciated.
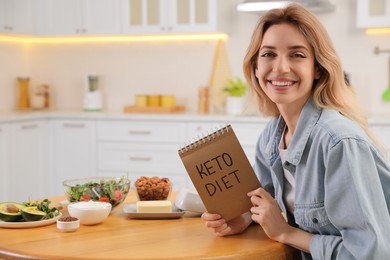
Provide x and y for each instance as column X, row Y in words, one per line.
column 236, row 87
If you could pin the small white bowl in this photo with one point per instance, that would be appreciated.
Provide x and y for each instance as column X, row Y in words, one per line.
column 189, row 200
column 90, row 212
column 64, row 224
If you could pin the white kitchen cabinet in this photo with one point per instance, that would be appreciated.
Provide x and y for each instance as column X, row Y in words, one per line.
column 79, row 17
column 16, row 17
column 373, row 13
column 73, row 151
column 168, row 16
column 3, row 163
column 141, row 148
column 247, row 134
column 27, row 155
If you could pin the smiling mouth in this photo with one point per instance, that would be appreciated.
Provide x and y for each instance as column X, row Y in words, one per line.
column 281, row 84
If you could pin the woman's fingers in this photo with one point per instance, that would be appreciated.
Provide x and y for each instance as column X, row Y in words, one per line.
column 214, row 221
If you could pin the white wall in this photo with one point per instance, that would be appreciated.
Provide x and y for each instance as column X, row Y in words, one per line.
column 127, row 69
column 14, row 62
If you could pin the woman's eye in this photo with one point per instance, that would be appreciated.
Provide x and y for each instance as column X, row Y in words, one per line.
column 267, row 54
column 298, row 55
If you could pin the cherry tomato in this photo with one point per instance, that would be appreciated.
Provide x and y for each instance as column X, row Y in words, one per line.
column 104, row 199
column 85, row 198
column 117, row 195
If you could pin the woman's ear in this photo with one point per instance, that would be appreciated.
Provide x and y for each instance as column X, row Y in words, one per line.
column 318, row 72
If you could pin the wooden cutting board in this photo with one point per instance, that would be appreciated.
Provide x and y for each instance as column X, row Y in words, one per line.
column 154, row 110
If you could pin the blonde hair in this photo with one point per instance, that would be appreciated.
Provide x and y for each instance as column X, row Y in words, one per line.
column 331, row 90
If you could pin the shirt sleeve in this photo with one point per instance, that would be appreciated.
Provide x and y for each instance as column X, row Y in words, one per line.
column 355, row 202
column 262, row 166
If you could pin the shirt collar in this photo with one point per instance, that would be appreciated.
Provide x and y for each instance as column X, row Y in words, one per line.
column 307, row 120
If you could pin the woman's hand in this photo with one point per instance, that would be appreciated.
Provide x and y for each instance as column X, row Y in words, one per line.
column 223, row 228
column 266, row 212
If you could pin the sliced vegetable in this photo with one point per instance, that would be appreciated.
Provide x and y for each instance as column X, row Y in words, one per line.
column 44, row 206
column 11, row 211
column 32, row 214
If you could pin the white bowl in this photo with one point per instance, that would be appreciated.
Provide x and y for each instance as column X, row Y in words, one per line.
column 66, row 225
column 90, row 212
column 189, row 200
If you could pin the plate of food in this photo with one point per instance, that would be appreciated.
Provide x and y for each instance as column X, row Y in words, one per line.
column 132, row 212
column 29, row 224
column 27, row 214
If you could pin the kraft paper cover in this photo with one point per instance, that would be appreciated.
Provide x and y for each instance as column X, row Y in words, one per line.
column 221, row 173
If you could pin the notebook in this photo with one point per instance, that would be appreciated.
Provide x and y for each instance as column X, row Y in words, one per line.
column 220, row 172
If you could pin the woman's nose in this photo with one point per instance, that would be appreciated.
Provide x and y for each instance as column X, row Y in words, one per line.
column 281, row 65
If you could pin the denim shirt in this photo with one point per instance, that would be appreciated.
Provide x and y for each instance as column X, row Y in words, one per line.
column 342, row 193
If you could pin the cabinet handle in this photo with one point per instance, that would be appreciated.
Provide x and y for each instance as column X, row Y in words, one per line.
column 133, row 158
column 140, row 132
column 74, row 125
column 32, row 126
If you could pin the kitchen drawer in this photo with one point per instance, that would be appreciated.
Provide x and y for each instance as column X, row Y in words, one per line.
column 247, row 133
column 141, row 131
column 133, row 157
column 178, row 181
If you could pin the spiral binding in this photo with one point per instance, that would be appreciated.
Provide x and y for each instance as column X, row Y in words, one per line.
column 205, row 138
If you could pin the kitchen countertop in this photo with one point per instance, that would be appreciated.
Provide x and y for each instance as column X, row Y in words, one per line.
column 15, row 116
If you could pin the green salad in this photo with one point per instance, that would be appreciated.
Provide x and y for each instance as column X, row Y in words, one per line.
column 105, row 190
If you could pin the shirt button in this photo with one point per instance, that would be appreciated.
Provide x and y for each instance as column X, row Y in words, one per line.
column 315, row 220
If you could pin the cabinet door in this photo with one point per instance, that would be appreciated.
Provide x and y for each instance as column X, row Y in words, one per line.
column 61, row 17
column 373, row 13
column 16, row 17
column 74, row 150
column 101, row 17
column 192, row 16
column 247, row 134
column 141, row 159
column 27, row 176
column 144, row 16
column 3, row 164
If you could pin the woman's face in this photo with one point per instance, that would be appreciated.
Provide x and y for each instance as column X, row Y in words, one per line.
column 285, row 66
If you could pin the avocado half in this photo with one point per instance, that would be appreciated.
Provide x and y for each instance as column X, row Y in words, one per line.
column 32, row 214
column 11, row 211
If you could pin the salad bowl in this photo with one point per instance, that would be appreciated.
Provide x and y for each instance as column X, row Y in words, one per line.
column 112, row 190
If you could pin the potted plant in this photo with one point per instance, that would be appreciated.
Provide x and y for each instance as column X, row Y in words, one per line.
column 236, row 89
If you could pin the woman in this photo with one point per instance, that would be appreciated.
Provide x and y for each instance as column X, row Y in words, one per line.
column 316, row 159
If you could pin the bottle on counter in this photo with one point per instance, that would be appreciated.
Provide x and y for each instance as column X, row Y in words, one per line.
column 23, row 100
column 204, row 100
column 40, row 97
column 46, row 94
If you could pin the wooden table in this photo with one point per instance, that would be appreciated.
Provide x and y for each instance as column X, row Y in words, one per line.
column 120, row 237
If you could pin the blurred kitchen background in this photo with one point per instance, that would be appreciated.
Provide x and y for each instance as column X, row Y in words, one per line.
column 127, row 67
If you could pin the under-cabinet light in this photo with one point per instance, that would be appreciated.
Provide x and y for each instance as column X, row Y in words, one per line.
column 103, row 39
column 378, row 31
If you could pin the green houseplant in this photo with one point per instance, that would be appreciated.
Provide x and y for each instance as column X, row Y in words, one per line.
column 236, row 89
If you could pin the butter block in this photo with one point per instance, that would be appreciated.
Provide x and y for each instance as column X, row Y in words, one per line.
column 154, row 206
